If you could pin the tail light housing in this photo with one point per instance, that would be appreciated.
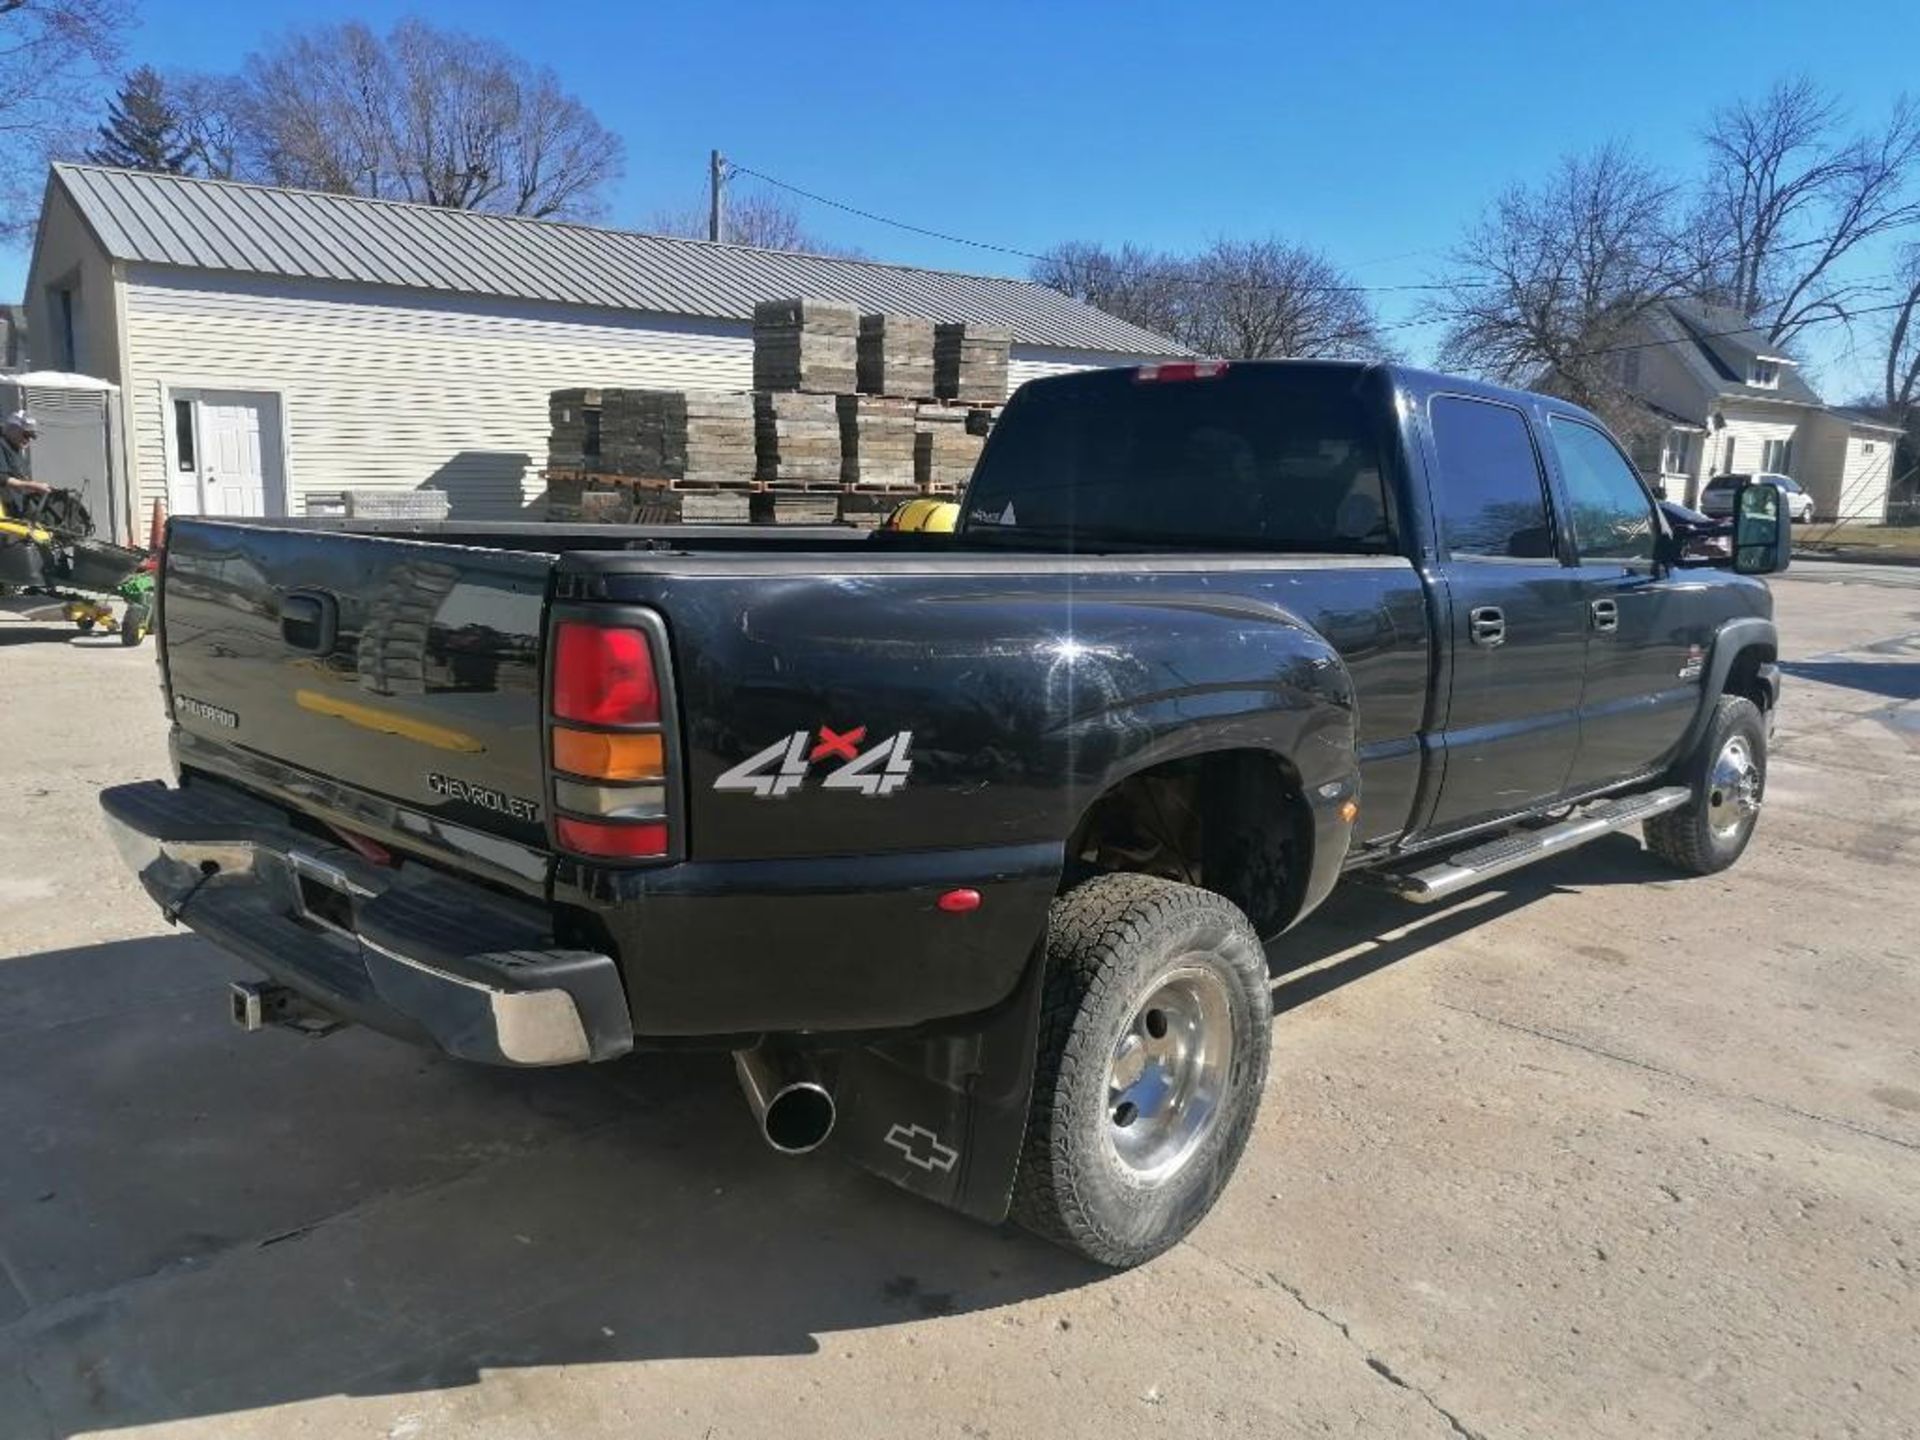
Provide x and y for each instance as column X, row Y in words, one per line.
column 609, row 755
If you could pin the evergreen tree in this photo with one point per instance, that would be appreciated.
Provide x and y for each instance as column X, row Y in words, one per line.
column 143, row 130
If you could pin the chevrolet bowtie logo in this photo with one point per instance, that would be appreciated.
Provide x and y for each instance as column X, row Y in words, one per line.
column 922, row 1147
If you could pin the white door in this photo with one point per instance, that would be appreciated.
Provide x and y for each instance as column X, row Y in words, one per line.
column 233, row 478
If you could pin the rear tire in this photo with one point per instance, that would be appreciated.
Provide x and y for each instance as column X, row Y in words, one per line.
column 1728, row 776
column 1155, row 1033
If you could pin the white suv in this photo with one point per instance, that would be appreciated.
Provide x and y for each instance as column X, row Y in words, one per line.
column 1717, row 499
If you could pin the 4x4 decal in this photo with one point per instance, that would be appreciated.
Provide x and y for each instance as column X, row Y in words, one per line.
column 781, row 768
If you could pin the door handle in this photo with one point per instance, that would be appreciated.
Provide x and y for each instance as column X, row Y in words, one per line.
column 1606, row 614
column 1487, row 625
column 309, row 620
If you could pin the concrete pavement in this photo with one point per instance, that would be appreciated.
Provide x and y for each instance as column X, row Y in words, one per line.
column 1592, row 1151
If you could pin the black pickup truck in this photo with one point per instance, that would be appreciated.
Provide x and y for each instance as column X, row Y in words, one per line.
column 968, row 846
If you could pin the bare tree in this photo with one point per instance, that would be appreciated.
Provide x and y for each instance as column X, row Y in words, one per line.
column 1138, row 285
column 1238, row 299
column 1264, row 299
column 754, row 218
column 1790, row 193
column 212, row 110
column 55, row 60
column 1548, row 285
column 1902, row 393
column 424, row 114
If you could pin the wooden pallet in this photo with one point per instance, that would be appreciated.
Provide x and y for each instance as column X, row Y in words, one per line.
column 659, row 482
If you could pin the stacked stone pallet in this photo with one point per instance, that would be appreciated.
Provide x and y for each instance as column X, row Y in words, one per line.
column 805, row 345
column 617, row 500
column 944, row 449
column 876, row 441
column 896, row 355
column 970, row 362
column 798, row 438
column 574, row 435
column 691, row 437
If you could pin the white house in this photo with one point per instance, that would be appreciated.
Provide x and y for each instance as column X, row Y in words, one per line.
column 270, row 344
column 1720, row 400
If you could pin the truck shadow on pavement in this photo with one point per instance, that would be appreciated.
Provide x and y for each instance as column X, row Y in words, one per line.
column 1363, row 928
column 195, row 1222
column 1893, row 679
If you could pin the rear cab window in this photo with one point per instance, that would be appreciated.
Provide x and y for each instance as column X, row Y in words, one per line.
column 1281, row 457
column 1491, row 497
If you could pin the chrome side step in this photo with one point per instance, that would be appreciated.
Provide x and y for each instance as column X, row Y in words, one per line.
column 1510, row 852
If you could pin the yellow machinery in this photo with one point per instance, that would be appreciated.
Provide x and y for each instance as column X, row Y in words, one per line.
column 924, row 513
column 44, row 564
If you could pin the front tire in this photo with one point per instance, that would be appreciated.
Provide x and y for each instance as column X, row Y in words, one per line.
column 134, row 624
column 1728, row 775
column 1155, row 1033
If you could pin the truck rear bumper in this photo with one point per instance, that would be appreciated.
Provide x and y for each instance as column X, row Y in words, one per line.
column 403, row 949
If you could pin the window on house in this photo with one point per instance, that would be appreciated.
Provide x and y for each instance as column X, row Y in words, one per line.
column 1673, row 460
column 1766, row 374
column 1726, row 458
column 183, row 434
column 67, row 352
column 1866, row 447
column 1776, row 456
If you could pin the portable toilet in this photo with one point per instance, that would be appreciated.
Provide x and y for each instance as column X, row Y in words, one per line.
column 79, row 447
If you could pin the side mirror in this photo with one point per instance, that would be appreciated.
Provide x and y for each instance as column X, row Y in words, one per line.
column 1762, row 529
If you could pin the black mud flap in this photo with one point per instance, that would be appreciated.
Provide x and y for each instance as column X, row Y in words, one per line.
column 945, row 1116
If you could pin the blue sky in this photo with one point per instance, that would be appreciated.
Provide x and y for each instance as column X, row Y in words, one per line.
column 1373, row 131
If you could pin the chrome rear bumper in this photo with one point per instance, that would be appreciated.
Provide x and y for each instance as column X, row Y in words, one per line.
column 404, row 949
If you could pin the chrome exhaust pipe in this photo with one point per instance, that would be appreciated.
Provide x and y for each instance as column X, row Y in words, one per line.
column 794, row 1110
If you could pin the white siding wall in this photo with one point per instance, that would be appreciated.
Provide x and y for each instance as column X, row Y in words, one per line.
column 1865, row 474
column 405, row 389
column 1750, row 428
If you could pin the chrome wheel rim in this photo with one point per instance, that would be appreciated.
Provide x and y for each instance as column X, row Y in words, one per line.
column 1168, row 1074
column 1733, row 788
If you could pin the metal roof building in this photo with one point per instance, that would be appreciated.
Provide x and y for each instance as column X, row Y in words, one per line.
column 273, row 344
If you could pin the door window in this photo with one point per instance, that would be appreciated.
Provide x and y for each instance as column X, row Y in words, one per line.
column 1611, row 515
column 1491, row 501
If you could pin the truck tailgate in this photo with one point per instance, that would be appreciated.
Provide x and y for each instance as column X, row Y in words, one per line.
column 402, row 670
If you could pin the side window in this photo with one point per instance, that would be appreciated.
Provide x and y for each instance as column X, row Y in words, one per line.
column 1491, row 500
column 1612, row 517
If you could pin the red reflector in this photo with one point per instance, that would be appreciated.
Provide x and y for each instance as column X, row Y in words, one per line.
column 959, row 902
column 624, row 842
column 604, row 676
column 1182, row 370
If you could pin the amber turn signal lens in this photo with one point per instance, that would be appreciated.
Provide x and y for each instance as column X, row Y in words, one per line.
column 609, row 757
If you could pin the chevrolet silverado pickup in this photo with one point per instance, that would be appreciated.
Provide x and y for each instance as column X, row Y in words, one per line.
column 969, row 846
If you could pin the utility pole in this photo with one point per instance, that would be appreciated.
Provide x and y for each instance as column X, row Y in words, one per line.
column 717, row 196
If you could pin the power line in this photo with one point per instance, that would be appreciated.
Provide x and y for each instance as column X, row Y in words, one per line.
column 1429, row 287
column 736, row 167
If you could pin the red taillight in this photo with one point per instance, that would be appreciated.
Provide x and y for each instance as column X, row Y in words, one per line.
column 619, row 842
column 604, row 676
column 1181, row 370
